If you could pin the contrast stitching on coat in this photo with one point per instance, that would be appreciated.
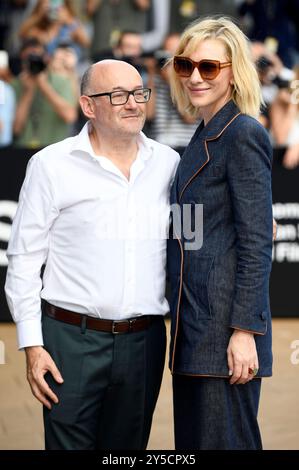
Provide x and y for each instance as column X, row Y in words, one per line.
column 207, row 151
column 250, row 331
column 178, row 304
column 193, row 176
column 221, row 132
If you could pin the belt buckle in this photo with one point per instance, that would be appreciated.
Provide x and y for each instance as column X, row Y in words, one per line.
column 131, row 323
column 114, row 323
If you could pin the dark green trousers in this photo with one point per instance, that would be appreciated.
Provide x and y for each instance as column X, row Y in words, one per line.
column 111, row 385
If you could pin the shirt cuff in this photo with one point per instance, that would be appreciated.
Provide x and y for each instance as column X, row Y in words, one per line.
column 29, row 333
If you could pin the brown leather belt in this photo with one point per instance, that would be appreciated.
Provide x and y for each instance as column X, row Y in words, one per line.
column 109, row 326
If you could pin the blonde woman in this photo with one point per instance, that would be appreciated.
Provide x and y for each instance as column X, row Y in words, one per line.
column 221, row 322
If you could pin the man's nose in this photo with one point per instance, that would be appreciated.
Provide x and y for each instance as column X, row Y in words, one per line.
column 131, row 103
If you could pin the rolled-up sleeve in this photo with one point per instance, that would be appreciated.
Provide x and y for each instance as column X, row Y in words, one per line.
column 27, row 251
column 249, row 177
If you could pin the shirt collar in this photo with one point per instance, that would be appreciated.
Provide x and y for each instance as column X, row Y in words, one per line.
column 82, row 144
column 145, row 146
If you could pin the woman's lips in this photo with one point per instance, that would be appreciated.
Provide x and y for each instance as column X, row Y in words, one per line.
column 198, row 91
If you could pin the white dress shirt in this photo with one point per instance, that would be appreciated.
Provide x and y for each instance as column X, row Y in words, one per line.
column 101, row 236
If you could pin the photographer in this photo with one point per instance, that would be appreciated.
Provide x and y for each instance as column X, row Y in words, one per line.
column 46, row 103
column 272, row 74
column 129, row 49
column 53, row 22
column 110, row 17
column 284, row 116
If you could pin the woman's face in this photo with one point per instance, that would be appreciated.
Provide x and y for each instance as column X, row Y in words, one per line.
column 209, row 95
column 44, row 6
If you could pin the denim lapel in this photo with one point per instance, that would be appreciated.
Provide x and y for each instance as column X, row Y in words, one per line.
column 197, row 154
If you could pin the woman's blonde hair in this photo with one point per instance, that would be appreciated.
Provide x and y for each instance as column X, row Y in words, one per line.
column 246, row 92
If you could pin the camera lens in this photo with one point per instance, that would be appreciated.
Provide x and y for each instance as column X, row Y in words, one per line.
column 35, row 64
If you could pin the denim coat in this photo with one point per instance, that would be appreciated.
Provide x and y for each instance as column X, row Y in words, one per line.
column 223, row 285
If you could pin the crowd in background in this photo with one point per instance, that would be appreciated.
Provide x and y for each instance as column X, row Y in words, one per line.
column 45, row 46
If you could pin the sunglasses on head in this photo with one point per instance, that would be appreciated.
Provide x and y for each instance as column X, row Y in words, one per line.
column 208, row 69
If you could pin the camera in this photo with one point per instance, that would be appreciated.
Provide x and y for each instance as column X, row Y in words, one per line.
column 137, row 62
column 162, row 57
column 263, row 64
column 281, row 83
column 35, row 64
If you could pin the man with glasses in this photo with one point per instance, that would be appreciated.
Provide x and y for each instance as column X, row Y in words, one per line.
column 94, row 209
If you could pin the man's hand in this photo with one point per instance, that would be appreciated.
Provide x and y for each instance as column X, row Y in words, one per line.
column 241, row 355
column 274, row 229
column 91, row 6
column 291, row 157
column 28, row 82
column 142, row 4
column 41, row 79
column 39, row 362
column 22, row 113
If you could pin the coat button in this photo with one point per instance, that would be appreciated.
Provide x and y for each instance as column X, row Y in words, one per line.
column 264, row 316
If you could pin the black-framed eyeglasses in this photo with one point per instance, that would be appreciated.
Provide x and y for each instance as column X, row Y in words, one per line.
column 120, row 97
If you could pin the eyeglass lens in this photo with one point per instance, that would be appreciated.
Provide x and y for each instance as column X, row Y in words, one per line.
column 185, row 67
column 121, row 97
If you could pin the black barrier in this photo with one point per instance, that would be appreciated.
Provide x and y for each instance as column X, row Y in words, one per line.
column 284, row 278
column 13, row 164
column 285, row 268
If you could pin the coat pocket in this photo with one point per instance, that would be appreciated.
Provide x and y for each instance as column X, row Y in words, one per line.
column 197, row 275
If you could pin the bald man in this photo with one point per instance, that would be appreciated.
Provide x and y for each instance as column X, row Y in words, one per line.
column 94, row 210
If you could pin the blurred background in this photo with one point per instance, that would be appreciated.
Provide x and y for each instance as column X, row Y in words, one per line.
column 47, row 45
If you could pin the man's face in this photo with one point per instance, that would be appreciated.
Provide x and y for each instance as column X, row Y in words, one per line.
column 122, row 120
column 63, row 59
column 130, row 45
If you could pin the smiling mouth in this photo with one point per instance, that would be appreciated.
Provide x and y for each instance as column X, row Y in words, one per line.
column 198, row 90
